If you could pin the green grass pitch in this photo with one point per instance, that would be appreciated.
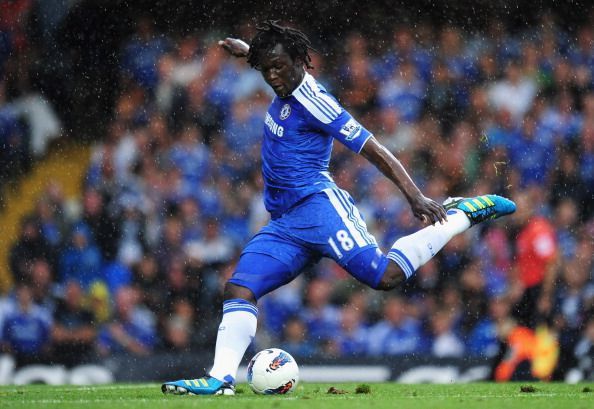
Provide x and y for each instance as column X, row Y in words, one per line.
column 309, row 396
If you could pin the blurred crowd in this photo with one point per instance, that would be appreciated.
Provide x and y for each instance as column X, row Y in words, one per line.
column 174, row 191
column 28, row 121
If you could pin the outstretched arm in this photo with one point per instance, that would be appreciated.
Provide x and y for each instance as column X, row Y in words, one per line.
column 423, row 208
column 235, row 46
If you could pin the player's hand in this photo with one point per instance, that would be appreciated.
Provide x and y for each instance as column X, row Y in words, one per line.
column 428, row 210
column 235, row 46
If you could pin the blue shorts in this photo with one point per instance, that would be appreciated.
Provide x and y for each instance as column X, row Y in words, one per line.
column 325, row 224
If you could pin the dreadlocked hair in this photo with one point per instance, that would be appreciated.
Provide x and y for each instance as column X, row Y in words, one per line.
column 269, row 34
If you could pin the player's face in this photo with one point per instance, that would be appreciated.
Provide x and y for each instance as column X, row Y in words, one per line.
column 281, row 72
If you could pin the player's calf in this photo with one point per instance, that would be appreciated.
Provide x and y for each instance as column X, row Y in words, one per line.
column 392, row 278
column 411, row 252
column 234, row 291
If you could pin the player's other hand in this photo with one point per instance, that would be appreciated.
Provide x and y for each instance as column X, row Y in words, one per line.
column 235, row 46
column 427, row 210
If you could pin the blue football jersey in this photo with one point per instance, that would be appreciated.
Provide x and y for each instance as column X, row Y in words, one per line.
column 298, row 134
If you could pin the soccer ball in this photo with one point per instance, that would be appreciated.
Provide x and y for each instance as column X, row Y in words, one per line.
column 272, row 372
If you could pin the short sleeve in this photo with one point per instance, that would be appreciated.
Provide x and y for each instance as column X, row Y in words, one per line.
column 326, row 114
column 348, row 131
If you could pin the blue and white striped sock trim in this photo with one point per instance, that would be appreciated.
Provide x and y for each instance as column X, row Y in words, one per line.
column 237, row 304
column 403, row 262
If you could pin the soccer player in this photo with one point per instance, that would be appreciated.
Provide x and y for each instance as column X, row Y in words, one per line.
column 310, row 216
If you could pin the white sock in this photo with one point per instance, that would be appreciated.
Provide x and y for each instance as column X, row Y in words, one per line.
column 411, row 252
column 237, row 329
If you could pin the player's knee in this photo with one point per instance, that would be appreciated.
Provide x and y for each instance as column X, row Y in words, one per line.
column 392, row 278
column 233, row 291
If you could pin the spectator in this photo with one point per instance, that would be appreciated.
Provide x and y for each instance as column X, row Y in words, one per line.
column 565, row 179
column 572, row 299
column 280, row 306
column 531, row 156
column 561, row 119
column 474, row 296
column 515, row 93
column 296, row 340
column 178, row 326
column 584, row 355
column 396, row 135
column 81, row 260
column 404, row 93
column 26, row 328
column 51, row 221
column 586, row 169
column 141, row 53
column 191, row 217
column 536, row 261
column 132, row 242
column 178, row 282
column 30, row 245
column 176, row 70
column 566, row 223
column 320, row 317
column 214, row 249
column 351, row 337
column 74, row 333
column 104, row 226
column 42, row 284
column 115, row 275
column 14, row 148
column 359, row 90
column 441, row 98
column 191, row 157
column 494, row 253
column 148, row 280
column 396, row 333
column 444, row 341
column 170, row 245
column 132, row 329
column 485, row 338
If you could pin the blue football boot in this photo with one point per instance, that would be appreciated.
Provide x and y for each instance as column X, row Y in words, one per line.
column 206, row 385
column 481, row 208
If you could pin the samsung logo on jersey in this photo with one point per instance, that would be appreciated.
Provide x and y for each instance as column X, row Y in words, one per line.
column 273, row 126
column 351, row 129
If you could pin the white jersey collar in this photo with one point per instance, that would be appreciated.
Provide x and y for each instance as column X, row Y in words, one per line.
column 307, row 77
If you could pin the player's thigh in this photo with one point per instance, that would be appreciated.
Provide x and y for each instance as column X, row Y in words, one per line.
column 269, row 262
column 339, row 232
column 343, row 232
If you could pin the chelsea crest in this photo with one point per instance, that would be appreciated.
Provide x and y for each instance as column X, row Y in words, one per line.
column 285, row 111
